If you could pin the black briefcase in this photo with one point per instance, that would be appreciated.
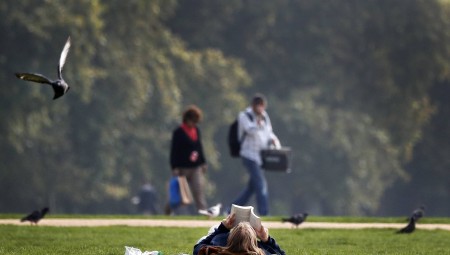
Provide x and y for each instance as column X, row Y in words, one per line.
column 276, row 159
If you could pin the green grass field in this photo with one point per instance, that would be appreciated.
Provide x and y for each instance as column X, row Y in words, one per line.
column 111, row 240
column 444, row 220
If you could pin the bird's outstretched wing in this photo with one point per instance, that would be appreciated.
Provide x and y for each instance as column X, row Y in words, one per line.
column 63, row 57
column 33, row 77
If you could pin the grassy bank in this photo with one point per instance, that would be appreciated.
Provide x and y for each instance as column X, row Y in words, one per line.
column 111, row 240
column 343, row 219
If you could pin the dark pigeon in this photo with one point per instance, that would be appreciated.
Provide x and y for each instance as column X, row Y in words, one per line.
column 296, row 219
column 418, row 213
column 60, row 87
column 35, row 216
column 409, row 228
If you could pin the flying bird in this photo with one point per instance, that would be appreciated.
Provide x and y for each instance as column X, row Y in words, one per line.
column 35, row 216
column 60, row 87
column 418, row 213
column 296, row 219
column 211, row 212
column 409, row 228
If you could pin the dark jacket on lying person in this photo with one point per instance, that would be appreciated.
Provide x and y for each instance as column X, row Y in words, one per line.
column 213, row 243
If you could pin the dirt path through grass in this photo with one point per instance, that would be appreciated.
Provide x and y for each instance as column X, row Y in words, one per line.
column 209, row 223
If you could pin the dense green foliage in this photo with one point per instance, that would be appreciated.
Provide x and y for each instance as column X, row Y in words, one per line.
column 356, row 88
column 111, row 240
column 349, row 83
column 130, row 79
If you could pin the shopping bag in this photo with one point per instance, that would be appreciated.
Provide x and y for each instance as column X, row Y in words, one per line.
column 185, row 191
column 174, row 192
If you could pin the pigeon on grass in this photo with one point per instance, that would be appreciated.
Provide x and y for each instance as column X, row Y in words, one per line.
column 296, row 219
column 35, row 216
column 211, row 212
column 418, row 213
column 409, row 228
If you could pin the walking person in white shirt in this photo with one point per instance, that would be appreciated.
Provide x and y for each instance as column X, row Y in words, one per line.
column 255, row 132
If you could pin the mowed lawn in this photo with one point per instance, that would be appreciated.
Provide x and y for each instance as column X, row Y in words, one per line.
column 171, row 241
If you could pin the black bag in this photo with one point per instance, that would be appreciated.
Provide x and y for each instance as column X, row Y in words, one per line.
column 234, row 144
column 276, row 159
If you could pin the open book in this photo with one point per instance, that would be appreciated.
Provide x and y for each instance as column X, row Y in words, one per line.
column 246, row 214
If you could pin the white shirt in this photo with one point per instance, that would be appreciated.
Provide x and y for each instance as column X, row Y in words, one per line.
column 257, row 137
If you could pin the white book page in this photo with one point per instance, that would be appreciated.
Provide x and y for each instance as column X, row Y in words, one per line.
column 255, row 221
column 245, row 214
column 242, row 213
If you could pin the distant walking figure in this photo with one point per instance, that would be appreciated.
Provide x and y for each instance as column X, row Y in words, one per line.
column 186, row 154
column 255, row 132
column 148, row 199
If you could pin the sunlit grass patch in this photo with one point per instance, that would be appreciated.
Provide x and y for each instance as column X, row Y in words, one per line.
column 112, row 240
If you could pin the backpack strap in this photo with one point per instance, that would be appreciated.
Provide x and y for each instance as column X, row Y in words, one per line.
column 250, row 117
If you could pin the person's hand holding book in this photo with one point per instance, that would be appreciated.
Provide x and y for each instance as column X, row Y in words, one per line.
column 229, row 221
column 262, row 233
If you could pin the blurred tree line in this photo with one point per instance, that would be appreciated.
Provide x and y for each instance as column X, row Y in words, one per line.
column 358, row 89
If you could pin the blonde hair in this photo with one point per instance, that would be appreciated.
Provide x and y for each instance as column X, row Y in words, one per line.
column 243, row 239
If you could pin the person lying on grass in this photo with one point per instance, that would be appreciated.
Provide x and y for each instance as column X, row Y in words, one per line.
column 240, row 240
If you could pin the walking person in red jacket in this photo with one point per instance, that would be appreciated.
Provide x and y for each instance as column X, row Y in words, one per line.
column 186, row 154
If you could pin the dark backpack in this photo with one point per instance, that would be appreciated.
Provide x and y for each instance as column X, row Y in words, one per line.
column 233, row 137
